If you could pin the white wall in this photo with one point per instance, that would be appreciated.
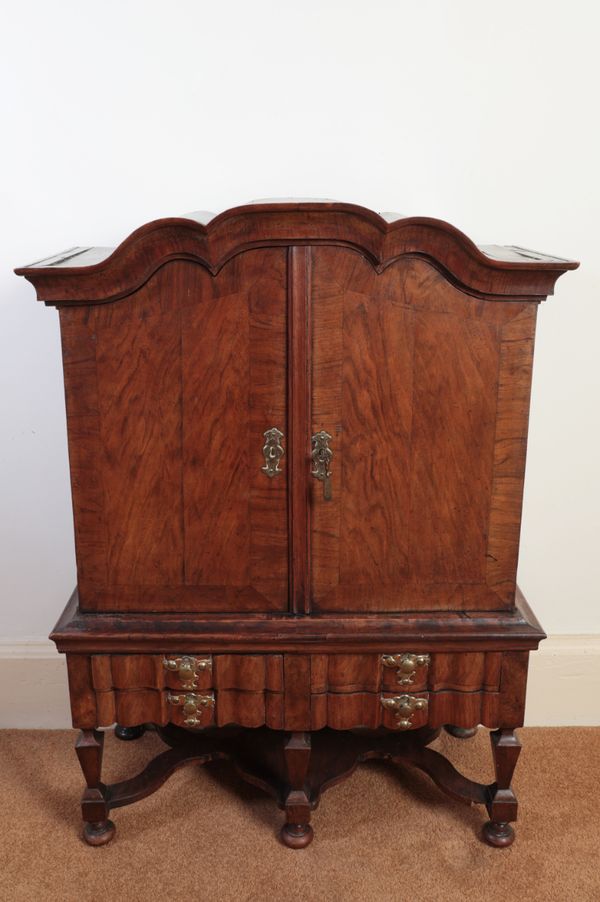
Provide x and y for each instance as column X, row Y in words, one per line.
column 121, row 112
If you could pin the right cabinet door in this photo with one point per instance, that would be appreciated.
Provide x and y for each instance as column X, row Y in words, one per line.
column 424, row 391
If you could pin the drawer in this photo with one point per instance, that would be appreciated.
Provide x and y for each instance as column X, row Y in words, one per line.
column 130, row 707
column 340, row 711
column 287, row 691
column 185, row 671
column 196, row 691
column 463, row 672
column 198, row 709
column 403, row 711
column 407, row 670
column 403, row 690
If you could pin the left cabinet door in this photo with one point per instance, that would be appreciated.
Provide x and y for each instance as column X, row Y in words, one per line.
column 169, row 393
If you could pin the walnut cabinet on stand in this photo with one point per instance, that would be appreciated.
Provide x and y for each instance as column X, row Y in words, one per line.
column 297, row 440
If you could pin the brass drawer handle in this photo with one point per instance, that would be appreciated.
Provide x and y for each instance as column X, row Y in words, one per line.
column 188, row 668
column 192, row 702
column 406, row 665
column 273, row 451
column 404, row 706
column 322, row 456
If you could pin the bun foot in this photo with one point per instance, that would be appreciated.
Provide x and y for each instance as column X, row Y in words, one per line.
column 297, row 836
column 99, row 833
column 498, row 834
column 460, row 732
column 128, row 733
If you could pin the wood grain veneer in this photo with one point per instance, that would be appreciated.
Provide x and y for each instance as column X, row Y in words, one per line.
column 390, row 609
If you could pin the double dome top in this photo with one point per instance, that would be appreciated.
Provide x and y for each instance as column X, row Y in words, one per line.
column 101, row 274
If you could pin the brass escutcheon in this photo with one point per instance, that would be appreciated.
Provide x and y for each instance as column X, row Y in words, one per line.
column 188, row 667
column 406, row 665
column 273, row 452
column 192, row 703
column 322, row 455
column 404, row 706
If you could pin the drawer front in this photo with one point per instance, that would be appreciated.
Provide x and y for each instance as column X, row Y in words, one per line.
column 370, row 710
column 405, row 669
column 398, row 689
column 405, row 690
column 187, row 671
column 196, row 691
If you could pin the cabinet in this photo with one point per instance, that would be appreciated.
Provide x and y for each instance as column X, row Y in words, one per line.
column 297, row 438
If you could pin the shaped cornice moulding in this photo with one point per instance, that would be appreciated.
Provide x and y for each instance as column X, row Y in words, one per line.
column 99, row 275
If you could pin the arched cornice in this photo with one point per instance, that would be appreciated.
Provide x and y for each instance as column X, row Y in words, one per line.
column 508, row 275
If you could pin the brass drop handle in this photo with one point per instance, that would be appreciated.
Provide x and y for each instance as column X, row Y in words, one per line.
column 322, row 456
column 404, row 706
column 192, row 704
column 273, row 451
column 406, row 665
column 188, row 668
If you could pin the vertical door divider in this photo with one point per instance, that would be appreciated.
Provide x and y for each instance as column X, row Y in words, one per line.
column 298, row 427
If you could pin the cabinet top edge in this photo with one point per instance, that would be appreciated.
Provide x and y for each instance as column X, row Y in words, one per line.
column 510, row 272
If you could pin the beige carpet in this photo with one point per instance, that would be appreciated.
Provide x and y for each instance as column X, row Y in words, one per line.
column 384, row 834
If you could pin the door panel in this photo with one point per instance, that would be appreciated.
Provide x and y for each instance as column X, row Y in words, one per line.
column 412, row 379
column 181, row 380
column 139, row 392
column 233, row 390
column 454, row 410
column 359, row 538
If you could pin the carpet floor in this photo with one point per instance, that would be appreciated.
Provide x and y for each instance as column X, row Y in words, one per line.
column 385, row 834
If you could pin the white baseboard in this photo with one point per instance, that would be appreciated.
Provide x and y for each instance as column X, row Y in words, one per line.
column 34, row 693
column 563, row 686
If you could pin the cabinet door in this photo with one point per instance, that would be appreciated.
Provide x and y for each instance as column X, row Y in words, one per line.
column 424, row 391
column 169, row 393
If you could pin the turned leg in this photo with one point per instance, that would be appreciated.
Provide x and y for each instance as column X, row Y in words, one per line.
column 460, row 732
column 297, row 832
column 98, row 829
column 128, row 733
column 502, row 802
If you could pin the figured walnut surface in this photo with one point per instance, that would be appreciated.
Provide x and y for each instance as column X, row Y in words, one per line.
column 426, row 393
column 509, row 272
column 299, row 692
column 515, row 629
column 168, row 395
column 423, row 387
column 412, row 348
